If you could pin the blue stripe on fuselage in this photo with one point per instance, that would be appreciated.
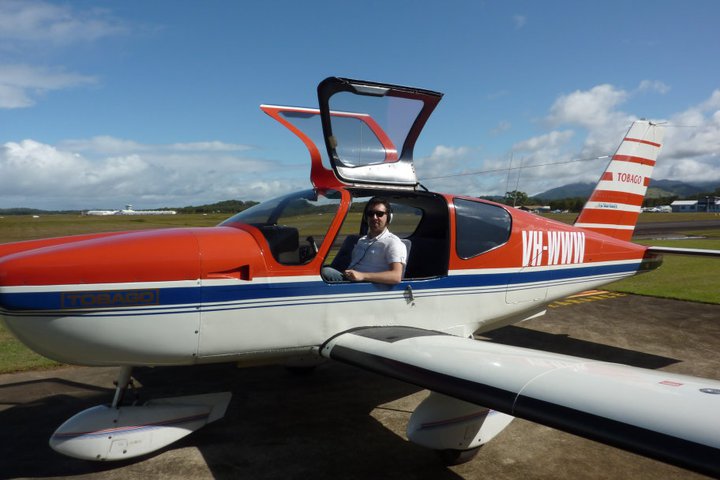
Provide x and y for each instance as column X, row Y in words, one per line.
column 179, row 297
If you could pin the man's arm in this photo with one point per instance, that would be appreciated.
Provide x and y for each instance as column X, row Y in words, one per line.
column 390, row 277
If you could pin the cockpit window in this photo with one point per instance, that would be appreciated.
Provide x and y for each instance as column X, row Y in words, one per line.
column 294, row 226
column 479, row 227
column 376, row 133
column 359, row 144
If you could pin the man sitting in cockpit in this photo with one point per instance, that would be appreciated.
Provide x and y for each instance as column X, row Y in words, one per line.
column 379, row 256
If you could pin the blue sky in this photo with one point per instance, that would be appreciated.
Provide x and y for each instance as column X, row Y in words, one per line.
column 156, row 103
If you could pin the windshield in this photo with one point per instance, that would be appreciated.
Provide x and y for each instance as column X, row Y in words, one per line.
column 295, row 225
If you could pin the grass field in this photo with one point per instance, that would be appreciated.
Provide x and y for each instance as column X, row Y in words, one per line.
column 15, row 228
column 644, row 217
column 680, row 277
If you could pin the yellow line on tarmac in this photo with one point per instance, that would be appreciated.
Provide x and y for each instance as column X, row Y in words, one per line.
column 587, row 296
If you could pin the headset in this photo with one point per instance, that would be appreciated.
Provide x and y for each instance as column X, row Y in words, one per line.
column 379, row 201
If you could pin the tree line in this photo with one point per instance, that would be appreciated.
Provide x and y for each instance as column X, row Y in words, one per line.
column 518, row 198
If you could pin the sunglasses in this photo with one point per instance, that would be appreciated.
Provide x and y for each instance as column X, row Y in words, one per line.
column 376, row 213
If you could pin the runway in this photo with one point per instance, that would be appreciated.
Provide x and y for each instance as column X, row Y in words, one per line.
column 340, row 422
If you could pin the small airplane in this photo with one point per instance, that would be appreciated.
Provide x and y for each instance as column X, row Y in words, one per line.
column 250, row 290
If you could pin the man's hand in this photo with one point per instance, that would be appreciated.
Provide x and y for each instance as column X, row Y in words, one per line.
column 391, row 276
column 354, row 276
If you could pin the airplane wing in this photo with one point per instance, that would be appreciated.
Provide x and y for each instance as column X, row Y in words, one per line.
column 669, row 417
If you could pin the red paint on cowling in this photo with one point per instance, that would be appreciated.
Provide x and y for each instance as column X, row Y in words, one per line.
column 143, row 256
column 26, row 245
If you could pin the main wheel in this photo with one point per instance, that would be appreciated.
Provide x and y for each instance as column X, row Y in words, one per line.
column 456, row 457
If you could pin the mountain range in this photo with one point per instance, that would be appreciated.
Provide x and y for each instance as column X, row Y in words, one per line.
column 657, row 189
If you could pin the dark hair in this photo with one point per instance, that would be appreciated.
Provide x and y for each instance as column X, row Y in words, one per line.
column 379, row 201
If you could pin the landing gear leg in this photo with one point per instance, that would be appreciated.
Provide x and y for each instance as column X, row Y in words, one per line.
column 123, row 381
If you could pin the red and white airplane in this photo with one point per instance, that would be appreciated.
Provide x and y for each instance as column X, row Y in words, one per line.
column 251, row 290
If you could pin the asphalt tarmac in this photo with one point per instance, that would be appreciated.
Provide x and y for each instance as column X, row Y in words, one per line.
column 340, row 422
column 651, row 229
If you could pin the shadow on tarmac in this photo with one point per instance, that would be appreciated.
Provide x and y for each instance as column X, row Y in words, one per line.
column 278, row 425
column 566, row 345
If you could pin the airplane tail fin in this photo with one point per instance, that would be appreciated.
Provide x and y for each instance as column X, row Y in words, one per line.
column 616, row 202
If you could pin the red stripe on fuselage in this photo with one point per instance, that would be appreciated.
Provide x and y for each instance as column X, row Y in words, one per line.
column 646, row 142
column 607, row 176
column 620, row 234
column 611, row 217
column 632, row 159
column 617, row 197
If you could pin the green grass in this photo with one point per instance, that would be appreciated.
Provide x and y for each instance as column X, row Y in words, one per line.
column 16, row 357
column 680, row 277
column 643, row 218
column 15, row 228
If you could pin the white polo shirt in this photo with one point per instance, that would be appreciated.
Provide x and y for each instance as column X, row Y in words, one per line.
column 376, row 254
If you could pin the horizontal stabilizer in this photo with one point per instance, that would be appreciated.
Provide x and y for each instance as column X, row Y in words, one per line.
column 666, row 416
column 685, row 251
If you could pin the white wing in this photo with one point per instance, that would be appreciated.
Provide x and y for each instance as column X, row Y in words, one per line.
column 670, row 417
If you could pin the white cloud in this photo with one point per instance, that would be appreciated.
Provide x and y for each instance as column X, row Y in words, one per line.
column 34, row 174
column 108, row 172
column 653, row 86
column 20, row 85
column 28, row 29
column 549, row 141
column 692, row 143
column 43, row 23
column 593, row 126
column 105, row 144
column 589, row 108
column 443, row 169
column 208, row 147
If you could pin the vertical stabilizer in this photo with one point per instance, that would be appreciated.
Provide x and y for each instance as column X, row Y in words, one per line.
column 616, row 202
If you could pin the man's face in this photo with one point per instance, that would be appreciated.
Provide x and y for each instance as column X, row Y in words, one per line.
column 377, row 218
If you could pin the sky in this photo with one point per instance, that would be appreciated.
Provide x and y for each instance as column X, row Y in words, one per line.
column 155, row 104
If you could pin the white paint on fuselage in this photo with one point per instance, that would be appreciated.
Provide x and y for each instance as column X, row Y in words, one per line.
column 268, row 326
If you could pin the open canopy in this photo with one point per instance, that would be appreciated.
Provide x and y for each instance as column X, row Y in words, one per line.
column 363, row 134
column 370, row 129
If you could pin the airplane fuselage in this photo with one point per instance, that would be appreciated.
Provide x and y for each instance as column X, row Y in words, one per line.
column 201, row 295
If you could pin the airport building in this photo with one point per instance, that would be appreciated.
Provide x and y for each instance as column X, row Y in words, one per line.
column 708, row 204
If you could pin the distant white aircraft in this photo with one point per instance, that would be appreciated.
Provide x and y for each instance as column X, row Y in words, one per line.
column 128, row 210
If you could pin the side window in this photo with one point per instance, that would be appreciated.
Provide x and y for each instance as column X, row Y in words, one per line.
column 406, row 219
column 479, row 227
